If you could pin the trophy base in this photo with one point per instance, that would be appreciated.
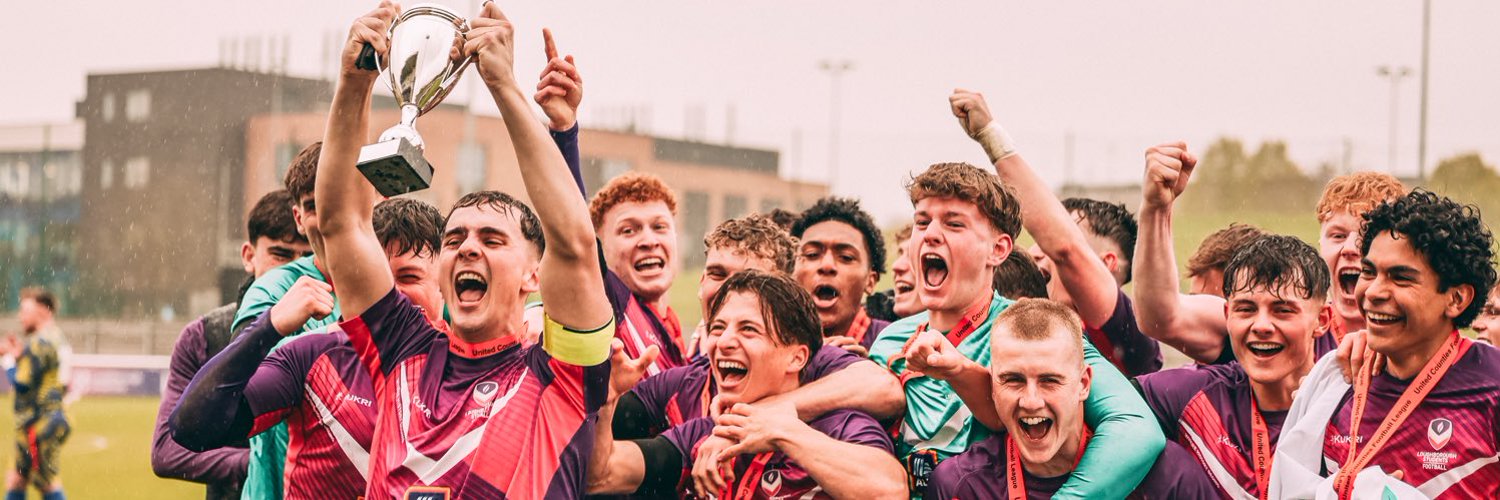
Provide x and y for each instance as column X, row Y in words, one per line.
column 395, row 167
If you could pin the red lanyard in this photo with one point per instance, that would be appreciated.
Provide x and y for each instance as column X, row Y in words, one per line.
column 1015, row 481
column 749, row 480
column 858, row 328
column 1428, row 378
column 1260, row 449
column 966, row 326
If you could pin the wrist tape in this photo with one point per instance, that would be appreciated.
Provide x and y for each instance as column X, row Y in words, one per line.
column 996, row 142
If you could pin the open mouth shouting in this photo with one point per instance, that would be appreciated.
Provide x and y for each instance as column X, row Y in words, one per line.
column 731, row 373
column 1261, row 349
column 1348, row 277
column 470, row 287
column 825, row 296
column 934, row 270
column 1035, row 429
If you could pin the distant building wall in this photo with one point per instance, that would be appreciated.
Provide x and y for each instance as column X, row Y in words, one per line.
column 41, row 176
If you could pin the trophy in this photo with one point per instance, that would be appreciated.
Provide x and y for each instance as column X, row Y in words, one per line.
column 420, row 75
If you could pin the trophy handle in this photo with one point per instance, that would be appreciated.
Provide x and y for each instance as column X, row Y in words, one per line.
column 367, row 60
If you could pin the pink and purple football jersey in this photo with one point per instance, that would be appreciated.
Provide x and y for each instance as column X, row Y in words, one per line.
column 979, row 474
column 1207, row 410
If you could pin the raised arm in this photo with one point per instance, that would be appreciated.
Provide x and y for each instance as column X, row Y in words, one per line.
column 1083, row 274
column 1193, row 324
column 570, row 268
column 345, row 201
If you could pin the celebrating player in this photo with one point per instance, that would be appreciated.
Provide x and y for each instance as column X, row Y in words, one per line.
column 1087, row 270
column 841, row 256
column 1041, row 382
column 1430, row 424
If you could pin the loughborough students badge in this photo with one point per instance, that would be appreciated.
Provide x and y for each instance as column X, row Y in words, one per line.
column 1439, row 431
column 484, row 392
column 420, row 75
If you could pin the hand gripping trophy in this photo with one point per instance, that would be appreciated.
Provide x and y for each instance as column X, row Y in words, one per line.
column 420, row 73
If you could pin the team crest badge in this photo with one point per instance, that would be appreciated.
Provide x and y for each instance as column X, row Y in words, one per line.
column 484, row 392
column 770, row 482
column 1439, row 432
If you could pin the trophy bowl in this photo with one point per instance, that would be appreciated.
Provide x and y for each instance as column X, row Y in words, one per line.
column 420, row 74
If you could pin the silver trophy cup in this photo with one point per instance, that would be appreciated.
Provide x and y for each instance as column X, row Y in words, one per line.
column 420, row 75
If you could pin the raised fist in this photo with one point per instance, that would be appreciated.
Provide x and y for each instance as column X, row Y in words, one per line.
column 1168, row 167
column 372, row 28
column 308, row 298
column 491, row 42
column 972, row 112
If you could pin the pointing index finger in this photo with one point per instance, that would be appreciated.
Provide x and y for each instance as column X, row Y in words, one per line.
column 551, row 45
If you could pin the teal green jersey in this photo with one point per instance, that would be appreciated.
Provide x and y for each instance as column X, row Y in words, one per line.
column 268, row 449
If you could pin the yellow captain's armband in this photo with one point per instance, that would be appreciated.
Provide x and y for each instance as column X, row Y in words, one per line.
column 574, row 347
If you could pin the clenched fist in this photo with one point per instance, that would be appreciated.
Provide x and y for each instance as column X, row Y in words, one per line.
column 308, row 298
column 1168, row 167
column 972, row 112
column 372, row 28
column 491, row 42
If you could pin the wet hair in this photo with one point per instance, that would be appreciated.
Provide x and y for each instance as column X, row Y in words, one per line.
column 302, row 174
column 638, row 187
column 757, row 235
column 1018, row 277
column 531, row 227
column 971, row 184
column 1109, row 220
column 1216, row 250
column 1275, row 262
column 410, row 226
column 848, row 211
column 785, row 306
column 272, row 218
column 783, row 218
column 41, row 296
column 1357, row 193
column 1041, row 319
column 1451, row 236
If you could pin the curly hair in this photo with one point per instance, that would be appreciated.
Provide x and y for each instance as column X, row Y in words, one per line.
column 1274, row 261
column 757, row 235
column 783, row 217
column 1357, row 193
column 302, row 174
column 969, row 183
column 638, row 187
column 848, row 211
column 1216, row 249
column 1108, row 220
column 1451, row 236
column 406, row 225
column 531, row 227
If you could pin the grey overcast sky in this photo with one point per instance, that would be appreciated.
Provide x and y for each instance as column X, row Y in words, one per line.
column 1117, row 76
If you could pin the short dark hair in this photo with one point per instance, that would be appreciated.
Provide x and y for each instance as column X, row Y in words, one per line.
column 783, row 217
column 970, row 183
column 531, row 227
column 45, row 298
column 1109, row 220
column 272, row 218
column 302, row 174
column 1215, row 250
column 1455, row 241
column 1274, row 261
column 785, row 306
column 412, row 226
column 1018, row 277
column 848, row 211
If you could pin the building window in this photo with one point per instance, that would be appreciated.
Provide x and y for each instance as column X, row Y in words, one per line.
column 769, row 204
column 734, row 206
column 107, row 107
column 694, row 226
column 137, row 172
column 106, row 174
column 138, row 105
column 471, row 167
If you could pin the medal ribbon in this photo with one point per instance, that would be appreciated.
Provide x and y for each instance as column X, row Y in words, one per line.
column 966, row 326
column 1015, row 481
column 859, row 327
column 1428, row 378
column 749, row 480
column 1260, row 452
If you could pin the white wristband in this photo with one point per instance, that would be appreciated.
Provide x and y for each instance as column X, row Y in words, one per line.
column 7, row 362
column 996, row 142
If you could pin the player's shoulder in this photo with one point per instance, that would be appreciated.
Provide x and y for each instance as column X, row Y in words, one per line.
column 982, row 460
column 1481, row 365
column 1186, row 381
column 838, row 422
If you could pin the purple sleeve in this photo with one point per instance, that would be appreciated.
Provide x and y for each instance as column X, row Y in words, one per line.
column 686, row 436
column 656, row 390
column 390, row 331
column 212, row 411
column 1168, row 392
column 567, row 144
column 855, row 427
column 171, row 460
column 828, row 360
column 278, row 384
column 1138, row 353
column 876, row 326
column 1177, row 474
